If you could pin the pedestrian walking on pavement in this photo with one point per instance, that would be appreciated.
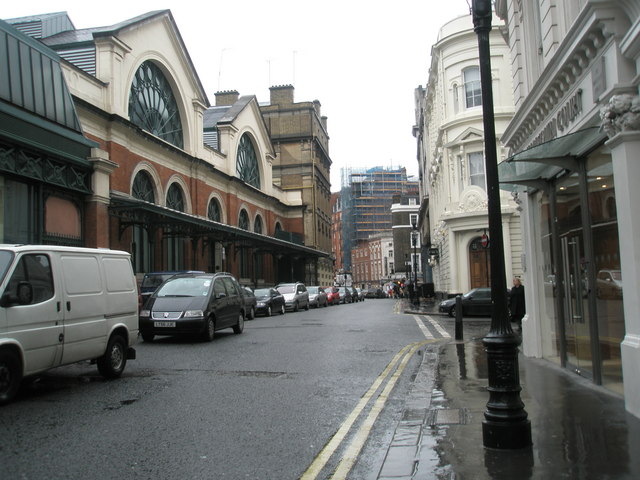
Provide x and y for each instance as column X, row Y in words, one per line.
column 516, row 303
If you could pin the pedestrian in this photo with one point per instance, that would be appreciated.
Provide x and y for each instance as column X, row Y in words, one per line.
column 516, row 303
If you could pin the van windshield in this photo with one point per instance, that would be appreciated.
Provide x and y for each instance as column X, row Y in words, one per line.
column 6, row 258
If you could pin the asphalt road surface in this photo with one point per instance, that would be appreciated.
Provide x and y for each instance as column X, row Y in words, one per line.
column 283, row 400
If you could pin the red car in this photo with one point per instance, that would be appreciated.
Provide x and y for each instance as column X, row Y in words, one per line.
column 333, row 295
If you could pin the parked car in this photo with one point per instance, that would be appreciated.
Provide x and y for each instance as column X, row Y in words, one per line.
column 250, row 303
column 269, row 301
column 609, row 284
column 361, row 293
column 62, row 305
column 345, row 295
column 317, row 297
column 474, row 302
column 374, row 293
column 295, row 295
column 194, row 303
column 152, row 280
column 333, row 295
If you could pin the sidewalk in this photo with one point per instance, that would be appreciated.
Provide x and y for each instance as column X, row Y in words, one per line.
column 579, row 431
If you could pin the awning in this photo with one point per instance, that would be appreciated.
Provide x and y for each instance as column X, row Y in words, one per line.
column 539, row 164
column 132, row 211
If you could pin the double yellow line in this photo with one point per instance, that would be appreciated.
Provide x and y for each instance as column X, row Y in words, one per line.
column 391, row 373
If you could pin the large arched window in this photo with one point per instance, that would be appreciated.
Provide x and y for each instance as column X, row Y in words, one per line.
column 142, row 188
column 243, row 221
column 247, row 162
column 152, row 105
column 142, row 247
column 214, row 212
column 257, row 224
column 175, row 198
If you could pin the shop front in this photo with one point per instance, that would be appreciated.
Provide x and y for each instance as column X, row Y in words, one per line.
column 574, row 278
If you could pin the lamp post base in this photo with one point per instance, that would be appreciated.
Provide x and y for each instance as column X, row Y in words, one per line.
column 506, row 436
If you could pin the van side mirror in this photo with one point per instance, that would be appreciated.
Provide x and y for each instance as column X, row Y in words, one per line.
column 23, row 296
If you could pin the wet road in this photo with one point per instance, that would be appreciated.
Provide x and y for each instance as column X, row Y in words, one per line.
column 261, row 405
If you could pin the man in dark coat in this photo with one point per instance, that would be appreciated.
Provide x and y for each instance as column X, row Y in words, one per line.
column 516, row 302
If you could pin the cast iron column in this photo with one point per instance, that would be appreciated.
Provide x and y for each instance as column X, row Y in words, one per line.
column 506, row 425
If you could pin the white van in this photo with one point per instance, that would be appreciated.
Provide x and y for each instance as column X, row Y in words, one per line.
column 60, row 305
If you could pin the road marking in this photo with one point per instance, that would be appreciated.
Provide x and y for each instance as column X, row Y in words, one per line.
column 423, row 327
column 398, row 363
column 438, row 327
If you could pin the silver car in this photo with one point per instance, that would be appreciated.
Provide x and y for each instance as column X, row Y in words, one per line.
column 295, row 295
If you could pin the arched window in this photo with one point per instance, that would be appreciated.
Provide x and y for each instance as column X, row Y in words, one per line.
column 247, row 162
column 143, row 187
column 243, row 221
column 257, row 225
column 278, row 229
column 472, row 87
column 175, row 198
column 152, row 105
column 214, row 212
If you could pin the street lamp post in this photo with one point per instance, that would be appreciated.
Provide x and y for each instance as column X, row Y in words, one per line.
column 505, row 424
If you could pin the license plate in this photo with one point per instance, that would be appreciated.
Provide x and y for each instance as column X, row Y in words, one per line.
column 164, row 324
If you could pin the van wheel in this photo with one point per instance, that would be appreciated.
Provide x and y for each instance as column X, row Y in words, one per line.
column 209, row 330
column 239, row 327
column 306, row 307
column 296, row 307
column 112, row 363
column 10, row 375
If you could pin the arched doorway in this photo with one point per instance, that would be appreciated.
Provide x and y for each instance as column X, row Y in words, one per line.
column 479, row 264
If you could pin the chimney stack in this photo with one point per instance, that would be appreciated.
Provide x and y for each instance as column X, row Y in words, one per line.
column 281, row 95
column 226, row 98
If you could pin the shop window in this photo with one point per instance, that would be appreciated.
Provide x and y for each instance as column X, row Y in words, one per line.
column 62, row 218
column 18, row 214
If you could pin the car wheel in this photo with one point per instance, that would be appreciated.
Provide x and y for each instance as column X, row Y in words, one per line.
column 306, row 307
column 296, row 307
column 147, row 337
column 209, row 330
column 252, row 314
column 452, row 311
column 282, row 310
column 10, row 375
column 269, row 312
column 239, row 327
column 112, row 363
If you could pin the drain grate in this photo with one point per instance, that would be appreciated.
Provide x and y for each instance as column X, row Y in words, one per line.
column 447, row 416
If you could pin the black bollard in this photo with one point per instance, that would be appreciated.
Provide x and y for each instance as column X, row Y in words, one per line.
column 458, row 317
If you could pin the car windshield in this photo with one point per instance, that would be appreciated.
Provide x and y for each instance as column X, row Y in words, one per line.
column 286, row 289
column 185, row 287
column 6, row 257
column 313, row 289
column 262, row 292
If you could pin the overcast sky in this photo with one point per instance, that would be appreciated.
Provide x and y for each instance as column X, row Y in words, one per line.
column 361, row 59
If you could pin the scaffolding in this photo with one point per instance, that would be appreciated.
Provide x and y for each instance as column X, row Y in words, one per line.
column 367, row 195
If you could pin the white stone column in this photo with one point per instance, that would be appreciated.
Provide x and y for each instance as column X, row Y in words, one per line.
column 625, row 151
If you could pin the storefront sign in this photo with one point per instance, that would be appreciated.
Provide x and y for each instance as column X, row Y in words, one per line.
column 565, row 117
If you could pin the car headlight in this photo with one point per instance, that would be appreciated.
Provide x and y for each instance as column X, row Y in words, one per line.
column 145, row 313
column 193, row 313
column 261, row 304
